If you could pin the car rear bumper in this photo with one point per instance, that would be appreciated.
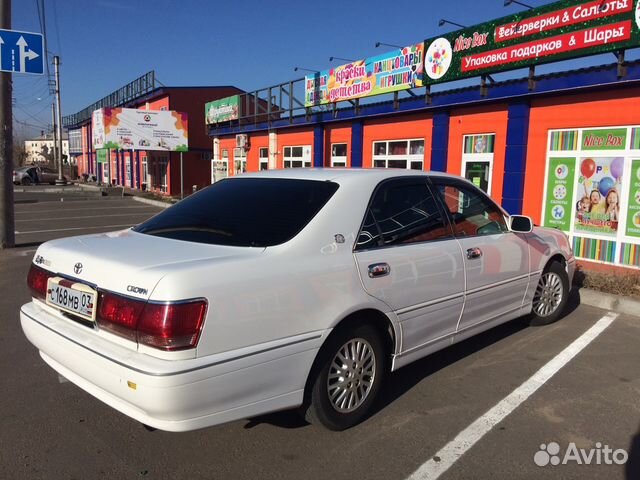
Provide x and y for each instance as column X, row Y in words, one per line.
column 170, row 395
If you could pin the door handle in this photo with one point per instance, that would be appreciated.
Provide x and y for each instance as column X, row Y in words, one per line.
column 473, row 253
column 379, row 270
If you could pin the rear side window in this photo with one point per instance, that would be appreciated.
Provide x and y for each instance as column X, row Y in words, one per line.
column 402, row 212
column 472, row 213
column 245, row 212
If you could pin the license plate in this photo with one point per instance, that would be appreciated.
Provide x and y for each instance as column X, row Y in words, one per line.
column 72, row 297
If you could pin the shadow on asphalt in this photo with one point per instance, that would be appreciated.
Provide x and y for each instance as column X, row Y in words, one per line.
column 402, row 381
column 632, row 467
column 28, row 244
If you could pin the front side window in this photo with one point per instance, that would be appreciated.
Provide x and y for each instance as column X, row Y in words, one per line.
column 471, row 212
column 225, row 213
column 407, row 154
column 402, row 212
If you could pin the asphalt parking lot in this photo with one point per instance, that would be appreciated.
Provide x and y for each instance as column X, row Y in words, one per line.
column 476, row 410
column 44, row 216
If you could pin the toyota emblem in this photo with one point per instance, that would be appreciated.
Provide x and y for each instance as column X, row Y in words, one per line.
column 77, row 268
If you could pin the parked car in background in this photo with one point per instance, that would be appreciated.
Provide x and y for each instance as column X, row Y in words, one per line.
column 287, row 288
column 34, row 174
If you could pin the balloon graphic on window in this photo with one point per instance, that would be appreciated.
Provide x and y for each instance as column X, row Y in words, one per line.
column 616, row 167
column 605, row 185
column 588, row 167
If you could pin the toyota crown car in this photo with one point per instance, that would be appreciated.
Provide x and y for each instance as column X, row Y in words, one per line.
column 287, row 289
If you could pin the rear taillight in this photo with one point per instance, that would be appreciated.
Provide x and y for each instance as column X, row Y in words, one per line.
column 172, row 326
column 167, row 326
column 119, row 314
column 37, row 281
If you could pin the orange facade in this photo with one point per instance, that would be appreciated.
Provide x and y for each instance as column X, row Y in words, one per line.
column 491, row 119
column 338, row 133
column 601, row 109
column 410, row 127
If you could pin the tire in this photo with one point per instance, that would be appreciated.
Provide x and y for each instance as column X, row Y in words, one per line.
column 339, row 398
column 551, row 295
column 26, row 181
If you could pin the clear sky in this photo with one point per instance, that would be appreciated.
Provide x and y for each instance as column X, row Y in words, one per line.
column 104, row 44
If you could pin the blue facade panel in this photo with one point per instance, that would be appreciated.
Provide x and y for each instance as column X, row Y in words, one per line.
column 357, row 142
column 318, row 146
column 440, row 141
column 515, row 156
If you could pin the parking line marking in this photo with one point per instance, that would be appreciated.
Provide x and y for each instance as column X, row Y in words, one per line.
column 82, row 209
column 73, row 228
column 61, row 200
column 451, row 452
column 75, row 218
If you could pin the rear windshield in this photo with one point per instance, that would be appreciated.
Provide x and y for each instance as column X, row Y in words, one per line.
column 244, row 212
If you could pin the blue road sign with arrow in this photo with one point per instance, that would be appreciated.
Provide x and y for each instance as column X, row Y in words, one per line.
column 21, row 52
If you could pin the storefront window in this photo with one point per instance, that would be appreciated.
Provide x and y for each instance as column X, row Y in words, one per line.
column 592, row 191
column 220, row 168
column 339, row 155
column 145, row 173
column 239, row 161
column 297, row 157
column 162, row 174
column 127, row 168
column 477, row 160
column 264, row 158
column 407, row 154
column 105, row 172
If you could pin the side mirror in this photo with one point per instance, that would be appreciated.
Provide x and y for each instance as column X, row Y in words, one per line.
column 521, row 224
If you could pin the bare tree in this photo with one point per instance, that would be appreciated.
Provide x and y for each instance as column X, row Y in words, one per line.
column 19, row 154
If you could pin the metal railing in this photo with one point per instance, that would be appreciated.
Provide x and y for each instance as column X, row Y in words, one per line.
column 144, row 84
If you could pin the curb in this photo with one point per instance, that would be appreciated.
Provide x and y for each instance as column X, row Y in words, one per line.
column 608, row 301
column 155, row 203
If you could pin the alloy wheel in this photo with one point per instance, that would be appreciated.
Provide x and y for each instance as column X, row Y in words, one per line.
column 351, row 375
column 549, row 294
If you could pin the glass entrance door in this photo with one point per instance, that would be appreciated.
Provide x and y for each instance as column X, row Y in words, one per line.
column 478, row 172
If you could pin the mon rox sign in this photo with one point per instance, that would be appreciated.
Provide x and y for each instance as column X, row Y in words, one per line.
column 558, row 31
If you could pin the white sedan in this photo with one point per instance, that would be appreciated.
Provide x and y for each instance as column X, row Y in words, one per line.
column 284, row 289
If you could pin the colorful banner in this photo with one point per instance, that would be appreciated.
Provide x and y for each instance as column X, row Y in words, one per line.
column 633, row 209
column 595, row 249
column 557, row 31
column 600, row 191
column 604, row 139
column 479, row 143
column 149, row 130
column 222, row 110
column 563, row 141
column 559, row 193
column 390, row 72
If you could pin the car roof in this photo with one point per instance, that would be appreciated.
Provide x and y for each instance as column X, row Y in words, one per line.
column 344, row 175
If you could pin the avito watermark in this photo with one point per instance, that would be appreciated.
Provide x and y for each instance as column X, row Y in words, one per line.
column 551, row 454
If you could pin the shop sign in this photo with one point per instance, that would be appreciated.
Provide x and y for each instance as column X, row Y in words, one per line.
column 557, row 31
column 633, row 215
column 101, row 155
column 559, row 193
column 222, row 110
column 390, row 72
column 599, row 191
column 604, row 139
column 131, row 129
